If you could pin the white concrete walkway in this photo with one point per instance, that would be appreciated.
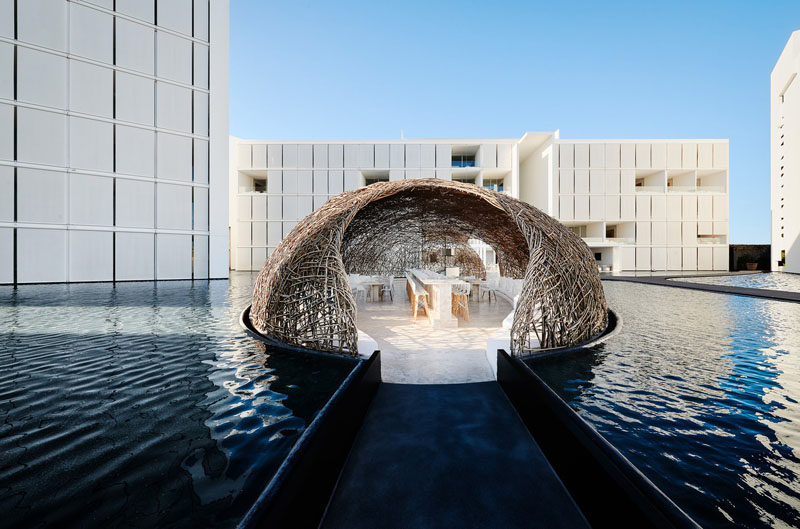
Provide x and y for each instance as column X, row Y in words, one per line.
column 413, row 352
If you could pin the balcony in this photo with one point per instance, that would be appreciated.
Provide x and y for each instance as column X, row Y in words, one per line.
column 703, row 240
column 710, row 189
column 599, row 241
column 463, row 160
column 495, row 184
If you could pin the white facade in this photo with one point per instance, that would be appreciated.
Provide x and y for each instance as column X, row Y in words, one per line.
column 785, row 158
column 639, row 204
column 113, row 140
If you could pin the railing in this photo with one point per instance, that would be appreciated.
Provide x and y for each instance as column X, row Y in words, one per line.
column 463, row 163
column 250, row 189
column 649, row 189
column 711, row 189
column 710, row 240
column 593, row 240
column 680, row 189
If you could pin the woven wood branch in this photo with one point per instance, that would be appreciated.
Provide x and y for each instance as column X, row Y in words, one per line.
column 302, row 295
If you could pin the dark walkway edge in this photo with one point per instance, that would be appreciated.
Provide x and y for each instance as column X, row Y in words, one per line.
column 670, row 281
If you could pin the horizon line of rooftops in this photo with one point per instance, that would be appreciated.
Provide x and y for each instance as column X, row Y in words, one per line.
column 477, row 141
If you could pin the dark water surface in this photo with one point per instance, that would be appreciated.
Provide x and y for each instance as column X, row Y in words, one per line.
column 700, row 391
column 144, row 404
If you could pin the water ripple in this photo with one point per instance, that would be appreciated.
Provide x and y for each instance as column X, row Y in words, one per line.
column 769, row 281
column 143, row 405
column 700, row 391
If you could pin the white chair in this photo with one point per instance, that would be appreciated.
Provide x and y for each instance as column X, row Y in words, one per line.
column 388, row 287
column 356, row 287
column 359, row 291
column 489, row 288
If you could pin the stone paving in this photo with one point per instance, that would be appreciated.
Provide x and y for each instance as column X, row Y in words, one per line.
column 413, row 352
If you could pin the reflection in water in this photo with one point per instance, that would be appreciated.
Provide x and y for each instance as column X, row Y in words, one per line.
column 769, row 281
column 700, row 391
column 144, row 404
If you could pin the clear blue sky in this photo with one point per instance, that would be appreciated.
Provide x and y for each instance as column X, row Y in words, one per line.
column 680, row 69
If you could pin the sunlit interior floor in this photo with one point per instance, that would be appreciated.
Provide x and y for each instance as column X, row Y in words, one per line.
column 414, row 352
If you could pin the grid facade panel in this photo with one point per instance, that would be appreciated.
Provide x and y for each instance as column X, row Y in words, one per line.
column 107, row 137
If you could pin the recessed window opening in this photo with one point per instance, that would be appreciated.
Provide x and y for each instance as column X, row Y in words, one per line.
column 465, row 180
column 580, row 231
column 463, row 160
column 495, row 184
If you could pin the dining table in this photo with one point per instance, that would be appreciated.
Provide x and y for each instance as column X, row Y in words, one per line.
column 440, row 289
column 475, row 288
column 374, row 285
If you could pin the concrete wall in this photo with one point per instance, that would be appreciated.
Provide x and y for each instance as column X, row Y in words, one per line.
column 785, row 158
column 536, row 177
column 666, row 201
column 674, row 193
column 109, row 152
column 299, row 177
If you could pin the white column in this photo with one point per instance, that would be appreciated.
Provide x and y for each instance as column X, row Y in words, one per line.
column 218, row 164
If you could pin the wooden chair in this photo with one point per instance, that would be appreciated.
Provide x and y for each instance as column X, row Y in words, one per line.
column 460, row 301
column 417, row 295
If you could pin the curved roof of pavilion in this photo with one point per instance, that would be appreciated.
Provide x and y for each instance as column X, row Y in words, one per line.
column 302, row 295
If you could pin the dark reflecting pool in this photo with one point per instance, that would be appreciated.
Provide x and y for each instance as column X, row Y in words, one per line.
column 700, row 391
column 144, row 405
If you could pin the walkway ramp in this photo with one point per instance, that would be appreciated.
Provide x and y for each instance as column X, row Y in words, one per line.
column 451, row 455
column 507, row 453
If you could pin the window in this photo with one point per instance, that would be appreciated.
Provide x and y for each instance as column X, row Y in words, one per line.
column 375, row 179
column 611, row 232
column 580, row 231
column 463, row 160
column 260, row 185
column 598, row 256
column 495, row 184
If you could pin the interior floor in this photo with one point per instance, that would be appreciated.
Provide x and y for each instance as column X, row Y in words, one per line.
column 414, row 352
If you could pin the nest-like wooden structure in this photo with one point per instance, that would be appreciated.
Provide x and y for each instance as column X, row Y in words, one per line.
column 463, row 256
column 302, row 296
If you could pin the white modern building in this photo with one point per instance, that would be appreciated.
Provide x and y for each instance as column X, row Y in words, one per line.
column 113, row 140
column 641, row 205
column 785, row 158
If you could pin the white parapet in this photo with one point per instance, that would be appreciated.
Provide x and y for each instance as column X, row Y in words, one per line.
column 366, row 344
